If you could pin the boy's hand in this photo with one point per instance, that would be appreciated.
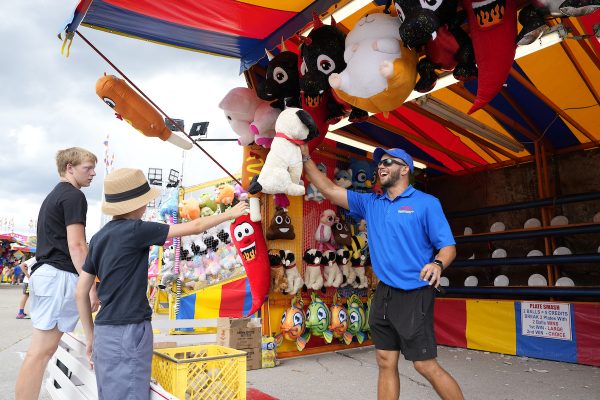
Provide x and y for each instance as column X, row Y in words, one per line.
column 238, row 210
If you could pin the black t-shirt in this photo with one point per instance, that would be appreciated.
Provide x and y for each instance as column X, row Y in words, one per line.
column 65, row 205
column 118, row 256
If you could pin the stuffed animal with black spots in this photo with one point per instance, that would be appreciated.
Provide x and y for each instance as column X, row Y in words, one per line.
column 313, row 279
column 279, row 282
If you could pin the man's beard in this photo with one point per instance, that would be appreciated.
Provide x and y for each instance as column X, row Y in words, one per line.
column 392, row 178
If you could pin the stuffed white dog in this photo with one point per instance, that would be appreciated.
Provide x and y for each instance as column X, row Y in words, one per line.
column 295, row 281
column 283, row 166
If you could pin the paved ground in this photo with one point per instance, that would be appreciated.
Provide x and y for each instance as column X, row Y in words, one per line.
column 353, row 373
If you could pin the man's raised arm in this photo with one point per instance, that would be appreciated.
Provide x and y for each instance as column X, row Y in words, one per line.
column 334, row 193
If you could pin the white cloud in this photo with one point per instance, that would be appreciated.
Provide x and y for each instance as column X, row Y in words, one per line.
column 48, row 102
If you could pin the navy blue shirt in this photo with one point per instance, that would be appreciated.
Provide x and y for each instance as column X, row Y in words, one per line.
column 118, row 256
column 404, row 233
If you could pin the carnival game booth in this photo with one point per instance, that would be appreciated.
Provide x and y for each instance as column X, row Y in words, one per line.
column 500, row 115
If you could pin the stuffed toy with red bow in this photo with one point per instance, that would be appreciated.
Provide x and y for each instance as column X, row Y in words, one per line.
column 283, row 166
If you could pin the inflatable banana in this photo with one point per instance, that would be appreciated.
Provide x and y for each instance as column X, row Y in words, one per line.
column 133, row 108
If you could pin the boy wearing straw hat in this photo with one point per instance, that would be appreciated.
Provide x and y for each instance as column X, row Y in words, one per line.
column 119, row 341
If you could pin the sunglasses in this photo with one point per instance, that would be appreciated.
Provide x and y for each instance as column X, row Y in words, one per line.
column 389, row 161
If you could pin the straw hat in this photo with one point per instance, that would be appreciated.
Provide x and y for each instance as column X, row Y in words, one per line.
column 126, row 190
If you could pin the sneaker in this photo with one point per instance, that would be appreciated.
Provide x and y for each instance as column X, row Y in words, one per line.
column 22, row 316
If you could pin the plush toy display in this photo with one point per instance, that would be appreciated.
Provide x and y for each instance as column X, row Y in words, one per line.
column 339, row 321
column 331, row 272
column 364, row 175
column 283, row 166
column 312, row 193
column 207, row 200
column 345, row 264
column 279, row 282
column 226, row 195
column 323, row 236
column 268, row 353
column 312, row 269
column 493, row 26
column 169, row 207
column 135, row 110
column 358, row 264
column 293, row 324
column 317, row 319
column 343, row 177
column 380, row 72
column 295, row 281
column 281, row 226
column 282, row 81
column 250, row 243
column 533, row 17
column 251, row 118
column 356, row 315
column 189, row 208
column 342, row 235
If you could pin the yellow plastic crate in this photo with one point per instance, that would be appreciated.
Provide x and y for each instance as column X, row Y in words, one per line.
column 207, row 372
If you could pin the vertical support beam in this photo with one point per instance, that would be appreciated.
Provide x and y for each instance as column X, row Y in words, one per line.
column 541, row 173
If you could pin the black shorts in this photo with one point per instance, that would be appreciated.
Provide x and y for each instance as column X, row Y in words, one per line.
column 402, row 320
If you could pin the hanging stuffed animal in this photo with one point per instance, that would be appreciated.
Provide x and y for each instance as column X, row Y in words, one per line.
column 312, row 193
column 226, row 194
column 281, row 226
column 356, row 315
column 317, row 319
column 342, row 235
column 282, row 81
column 339, row 321
column 380, row 71
column 283, row 166
column 436, row 26
column 342, row 177
column 189, row 209
column 279, row 282
column 321, row 54
column 295, row 281
column 293, row 324
column 323, row 236
column 358, row 264
column 251, row 118
column 533, row 17
column 312, row 269
column 364, row 175
column 493, row 27
column 250, row 243
column 332, row 275
column 135, row 110
column 345, row 264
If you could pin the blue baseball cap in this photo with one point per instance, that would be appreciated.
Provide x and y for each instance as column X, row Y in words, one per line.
column 397, row 153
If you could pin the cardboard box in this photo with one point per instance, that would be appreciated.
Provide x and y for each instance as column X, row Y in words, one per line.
column 253, row 358
column 239, row 333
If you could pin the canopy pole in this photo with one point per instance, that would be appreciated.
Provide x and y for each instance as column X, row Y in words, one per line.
column 175, row 123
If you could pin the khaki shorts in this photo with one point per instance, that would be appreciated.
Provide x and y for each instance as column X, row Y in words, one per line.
column 52, row 294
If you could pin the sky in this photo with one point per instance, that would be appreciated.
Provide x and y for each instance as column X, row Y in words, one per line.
column 48, row 102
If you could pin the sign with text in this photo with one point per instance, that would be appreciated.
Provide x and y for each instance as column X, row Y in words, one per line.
column 547, row 320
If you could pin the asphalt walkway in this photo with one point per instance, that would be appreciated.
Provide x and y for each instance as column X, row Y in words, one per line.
column 352, row 374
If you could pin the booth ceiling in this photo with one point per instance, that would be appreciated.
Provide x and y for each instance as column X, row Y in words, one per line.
column 551, row 97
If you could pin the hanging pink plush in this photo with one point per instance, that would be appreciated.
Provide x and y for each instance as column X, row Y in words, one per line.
column 493, row 26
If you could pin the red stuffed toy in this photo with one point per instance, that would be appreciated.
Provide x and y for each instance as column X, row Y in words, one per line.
column 493, row 28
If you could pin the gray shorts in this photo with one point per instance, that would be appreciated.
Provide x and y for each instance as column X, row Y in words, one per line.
column 122, row 356
column 52, row 296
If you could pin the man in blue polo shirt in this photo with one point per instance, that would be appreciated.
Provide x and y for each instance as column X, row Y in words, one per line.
column 410, row 244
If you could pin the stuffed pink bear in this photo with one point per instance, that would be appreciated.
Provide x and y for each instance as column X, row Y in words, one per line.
column 251, row 118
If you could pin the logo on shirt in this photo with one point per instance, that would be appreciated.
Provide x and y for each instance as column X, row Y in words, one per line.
column 405, row 210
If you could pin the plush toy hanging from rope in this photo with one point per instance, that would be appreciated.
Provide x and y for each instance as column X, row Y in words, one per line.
column 135, row 110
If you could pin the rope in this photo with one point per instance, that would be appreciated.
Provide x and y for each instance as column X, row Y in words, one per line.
column 176, row 244
column 176, row 124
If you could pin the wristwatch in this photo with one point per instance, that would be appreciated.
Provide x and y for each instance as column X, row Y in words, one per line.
column 440, row 263
column 305, row 158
